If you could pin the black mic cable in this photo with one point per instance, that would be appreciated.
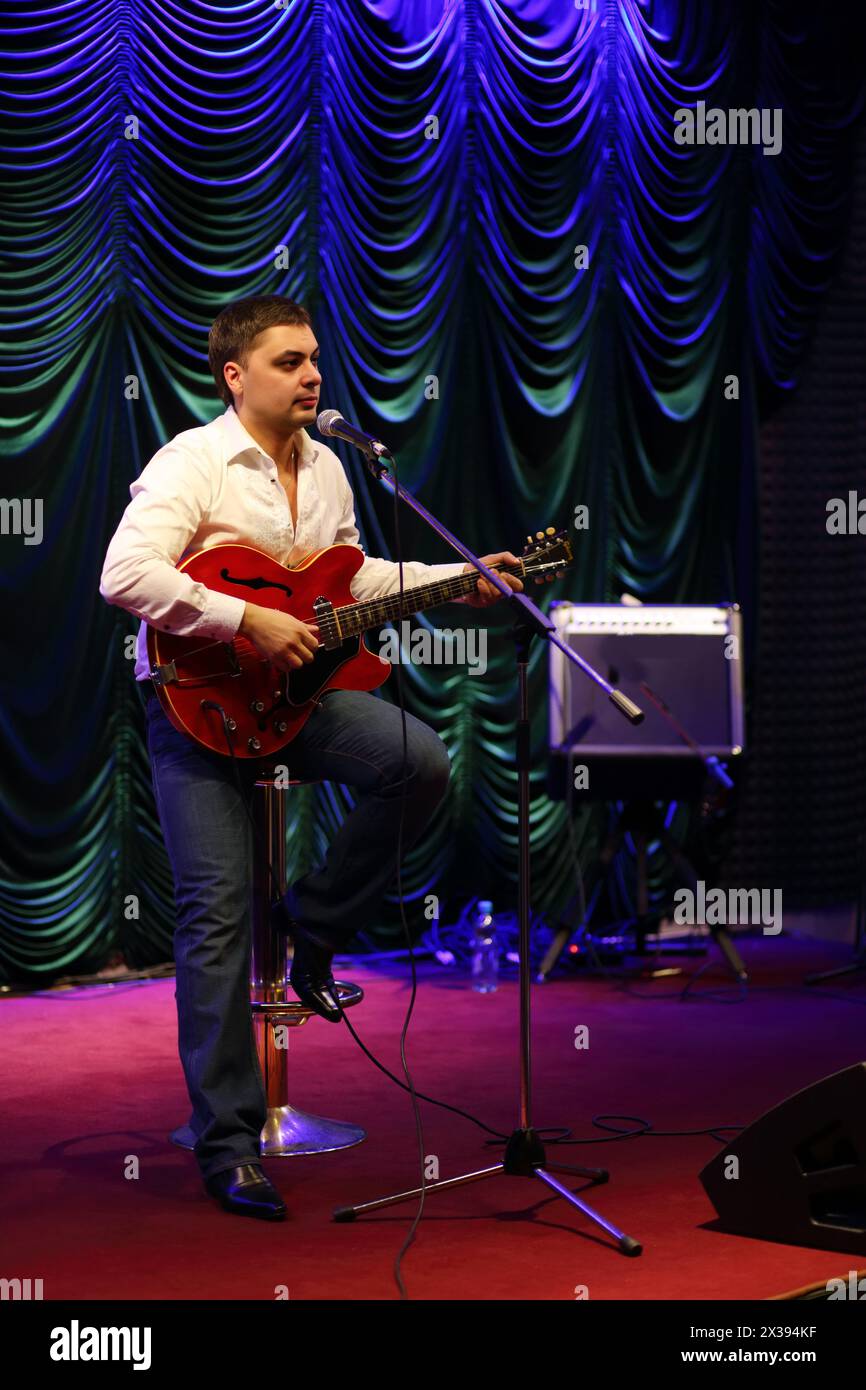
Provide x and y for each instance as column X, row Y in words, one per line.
column 416, row 1109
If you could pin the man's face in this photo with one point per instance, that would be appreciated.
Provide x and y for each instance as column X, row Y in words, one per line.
column 280, row 384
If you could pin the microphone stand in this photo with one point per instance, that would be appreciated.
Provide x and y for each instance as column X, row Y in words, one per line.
column 524, row 1152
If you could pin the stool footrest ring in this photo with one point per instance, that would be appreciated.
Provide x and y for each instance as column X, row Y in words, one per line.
column 293, row 1008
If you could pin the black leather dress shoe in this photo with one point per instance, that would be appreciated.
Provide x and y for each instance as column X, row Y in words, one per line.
column 310, row 975
column 246, row 1191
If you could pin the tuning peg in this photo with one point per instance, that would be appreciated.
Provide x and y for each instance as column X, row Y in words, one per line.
column 529, row 540
column 539, row 535
column 551, row 530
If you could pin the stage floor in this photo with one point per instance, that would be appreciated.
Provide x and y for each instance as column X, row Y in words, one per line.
column 92, row 1077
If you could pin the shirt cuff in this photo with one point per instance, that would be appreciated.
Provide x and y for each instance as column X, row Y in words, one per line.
column 222, row 616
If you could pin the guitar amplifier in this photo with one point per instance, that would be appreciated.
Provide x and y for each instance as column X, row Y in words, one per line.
column 691, row 658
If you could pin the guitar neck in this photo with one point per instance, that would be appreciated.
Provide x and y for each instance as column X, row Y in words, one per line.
column 355, row 618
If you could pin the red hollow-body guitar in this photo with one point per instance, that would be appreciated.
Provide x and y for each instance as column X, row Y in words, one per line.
column 229, row 698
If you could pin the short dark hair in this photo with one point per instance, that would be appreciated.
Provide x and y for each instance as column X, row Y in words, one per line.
column 236, row 327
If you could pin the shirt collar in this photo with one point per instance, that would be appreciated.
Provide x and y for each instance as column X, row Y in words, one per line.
column 239, row 441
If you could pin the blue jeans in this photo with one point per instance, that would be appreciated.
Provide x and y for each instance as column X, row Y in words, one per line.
column 354, row 738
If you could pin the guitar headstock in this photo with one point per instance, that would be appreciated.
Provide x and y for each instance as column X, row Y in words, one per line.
column 547, row 555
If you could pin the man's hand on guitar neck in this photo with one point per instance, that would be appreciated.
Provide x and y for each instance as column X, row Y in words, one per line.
column 284, row 640
column 485, row 594
column 289, row 643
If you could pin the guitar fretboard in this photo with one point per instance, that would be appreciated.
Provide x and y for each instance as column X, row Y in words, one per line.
column 355, row 618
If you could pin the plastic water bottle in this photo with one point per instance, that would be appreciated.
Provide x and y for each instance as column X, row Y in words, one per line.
column 485, row 952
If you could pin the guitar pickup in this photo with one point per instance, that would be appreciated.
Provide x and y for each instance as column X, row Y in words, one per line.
column 329, row 628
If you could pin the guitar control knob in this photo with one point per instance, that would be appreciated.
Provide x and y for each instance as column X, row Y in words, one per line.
column 253, row 744
column 231, row 725
column 278, row 694
column 257, row 706
column 280, row 726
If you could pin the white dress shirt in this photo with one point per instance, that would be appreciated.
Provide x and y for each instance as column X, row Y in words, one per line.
column 215, row 484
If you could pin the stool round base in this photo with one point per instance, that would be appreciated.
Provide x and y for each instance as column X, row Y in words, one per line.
column 290, row 1133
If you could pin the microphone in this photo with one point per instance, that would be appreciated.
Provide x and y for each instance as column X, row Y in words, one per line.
column 331, row 422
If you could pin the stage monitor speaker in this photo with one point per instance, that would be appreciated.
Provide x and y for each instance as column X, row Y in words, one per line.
column 800, row 1170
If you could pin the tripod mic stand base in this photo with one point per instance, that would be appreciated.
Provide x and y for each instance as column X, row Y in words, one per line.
column 858, row 964
column 524, row 1158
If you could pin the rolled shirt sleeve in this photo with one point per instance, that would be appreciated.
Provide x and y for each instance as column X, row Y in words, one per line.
column 170, row 498
column 376, row 577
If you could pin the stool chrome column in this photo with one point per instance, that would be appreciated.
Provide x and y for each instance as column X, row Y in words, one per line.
column 288, row 1131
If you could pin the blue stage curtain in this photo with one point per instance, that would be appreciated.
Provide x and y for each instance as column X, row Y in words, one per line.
column 422, row 175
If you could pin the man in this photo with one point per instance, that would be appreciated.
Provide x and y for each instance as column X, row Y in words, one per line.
column 255, row 475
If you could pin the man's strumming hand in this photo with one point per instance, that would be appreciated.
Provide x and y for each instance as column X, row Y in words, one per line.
column 284, row 640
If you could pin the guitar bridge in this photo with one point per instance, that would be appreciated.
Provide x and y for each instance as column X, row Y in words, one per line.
column 165, row 674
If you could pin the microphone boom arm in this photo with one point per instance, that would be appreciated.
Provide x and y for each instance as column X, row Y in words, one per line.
column 524, row 609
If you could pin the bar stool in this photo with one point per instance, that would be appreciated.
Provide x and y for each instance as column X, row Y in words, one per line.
column 288, row 1131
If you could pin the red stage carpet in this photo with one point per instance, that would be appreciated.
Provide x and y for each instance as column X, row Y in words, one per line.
column 92, row 1077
